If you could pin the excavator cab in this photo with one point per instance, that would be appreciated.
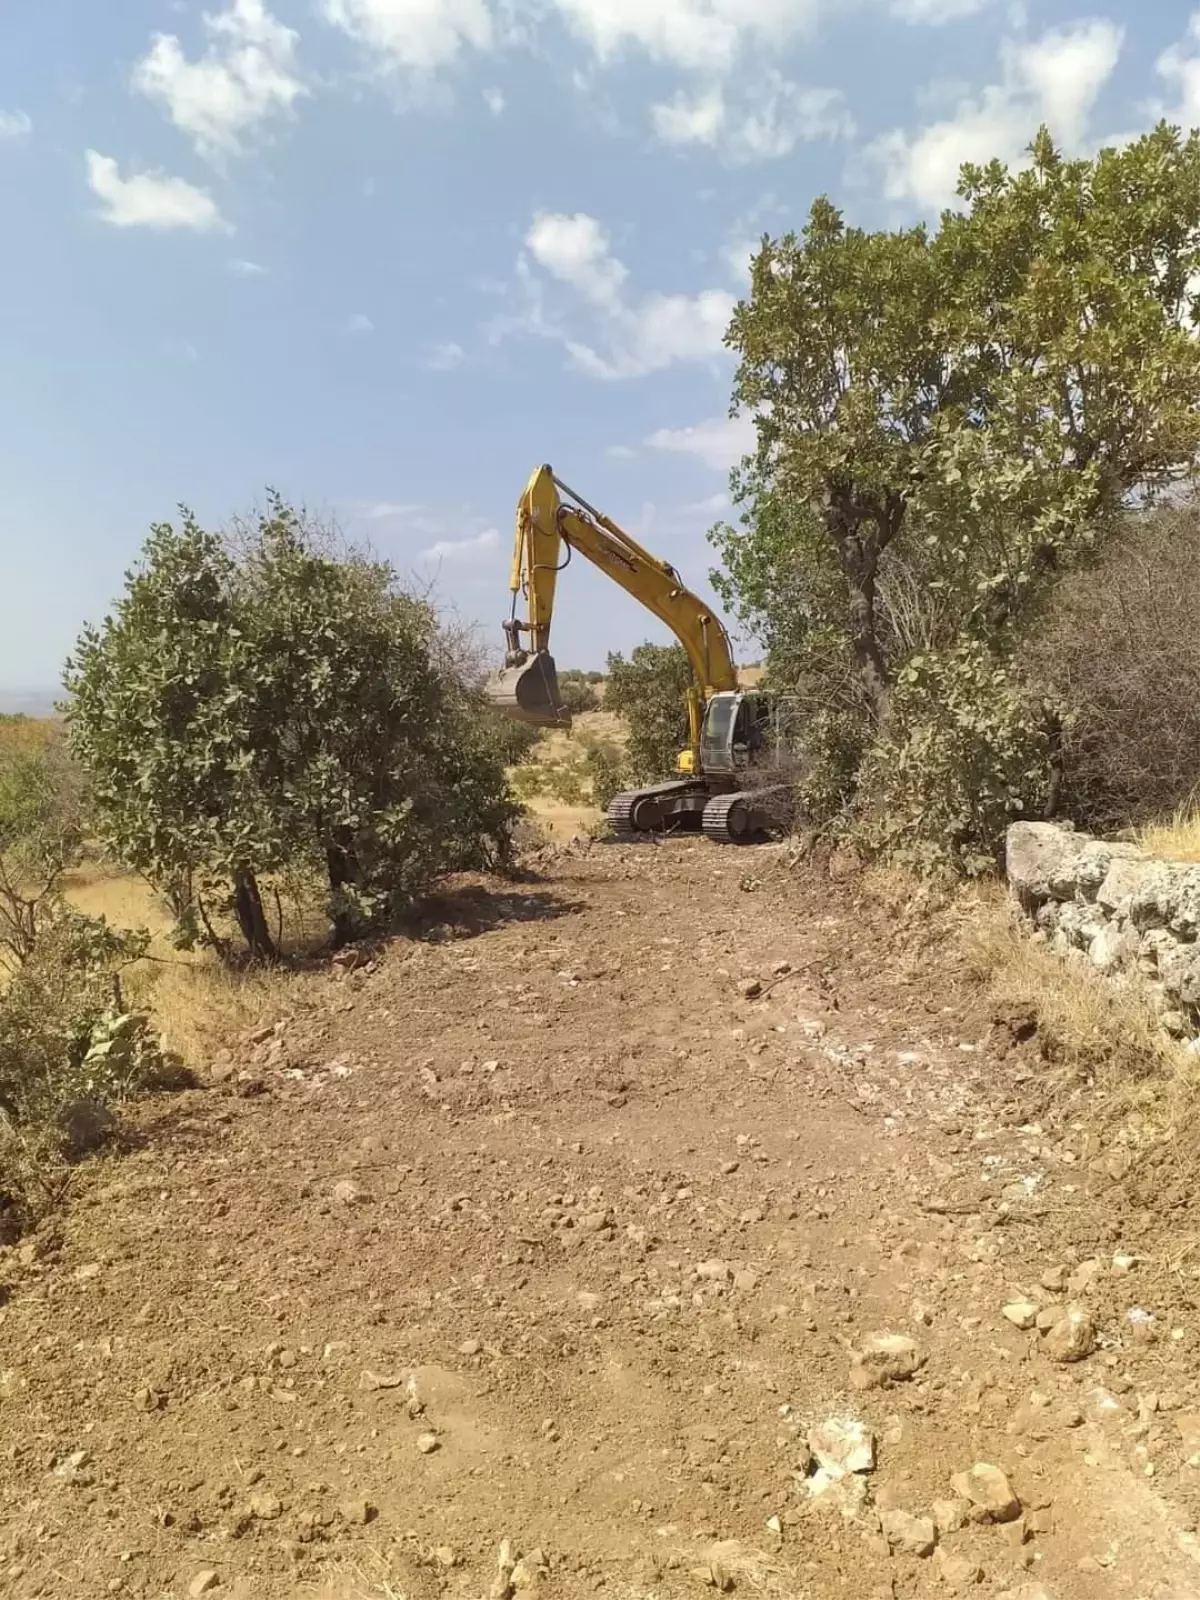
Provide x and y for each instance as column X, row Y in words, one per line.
column 736, row 729
column 527, row 690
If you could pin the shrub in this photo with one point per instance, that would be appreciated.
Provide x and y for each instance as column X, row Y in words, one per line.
column 577, row 692
column 649, row 692
column 968, row 751
column 70, row 1049
column 271, row 702
column 41, row 833
column 1121, row 648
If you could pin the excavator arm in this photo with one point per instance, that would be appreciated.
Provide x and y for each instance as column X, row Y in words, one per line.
column 551, row 519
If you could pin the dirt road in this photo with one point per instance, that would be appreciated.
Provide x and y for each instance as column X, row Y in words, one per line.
column 562, row 1226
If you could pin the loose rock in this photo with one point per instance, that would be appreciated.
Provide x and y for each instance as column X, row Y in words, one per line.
column 1021, row 1313
column 265, row 1507
column 842, row 1445
column 347, row 1193
column 427, row 1443
column 885, row 1358
column 915, row 1536
column 204, row 1580
column 957, row 1572
column 950, row 1515
column 1072, row 1337
column 989, row 1491
column 357, row 1512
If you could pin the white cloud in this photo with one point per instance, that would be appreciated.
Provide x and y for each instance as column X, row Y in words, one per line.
column 462, row 549
column 620, row 452
column 246, row 75
column 383, row 510
column 359, row 322
column 416, row 36
column 150, row 199
column 772, row 118
column 629, row 335
column 494, row 100
column 705, row 35
column 445, row 357
column 936, row 12
column 15, row 124
column 1056, row 79
column 719, row 442
column 711, row 506
column 246, row 269
column 576, row 250
column 1180, row 66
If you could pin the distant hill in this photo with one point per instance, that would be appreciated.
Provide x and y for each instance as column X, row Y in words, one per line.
column 29, row 702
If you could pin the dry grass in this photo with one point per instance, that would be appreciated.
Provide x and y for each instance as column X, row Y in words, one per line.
column 1176, row 840
column 1093, row 1026
column 197, row 1002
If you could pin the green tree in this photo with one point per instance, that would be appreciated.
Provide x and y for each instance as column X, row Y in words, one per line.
column 948, row 422
column 41, row 833
column 975, row 403
column 271, row 702
column 649, row 691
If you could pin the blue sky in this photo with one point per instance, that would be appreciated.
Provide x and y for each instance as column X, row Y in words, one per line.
column 388, row 255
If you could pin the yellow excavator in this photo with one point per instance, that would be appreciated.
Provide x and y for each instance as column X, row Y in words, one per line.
column 725, row 785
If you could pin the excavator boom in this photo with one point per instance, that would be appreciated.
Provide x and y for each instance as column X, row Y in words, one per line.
column 553, row 519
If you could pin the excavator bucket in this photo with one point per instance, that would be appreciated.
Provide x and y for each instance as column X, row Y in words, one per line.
column 530, row 693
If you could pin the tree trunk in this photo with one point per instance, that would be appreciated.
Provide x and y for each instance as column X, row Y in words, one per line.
column 868, row 655
column 340, row 869
column 252, row 918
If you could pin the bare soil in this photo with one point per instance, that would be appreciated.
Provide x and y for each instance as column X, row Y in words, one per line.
column 539, row 1227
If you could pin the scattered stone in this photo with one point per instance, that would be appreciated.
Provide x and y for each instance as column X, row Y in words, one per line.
column 842, row 1445
column 750, row 988
column 1084, row 1275
column 1021, row 1313
column 714, row 1271
column 470, row 1347
column 446, row 1556
column 379, row 1380
column 913, row 1536
column 847, row 1495
column 528, row 1573
column 265, row 1507
column 72, row 1466
column 204, row 1580
column 957, row 1572
column 745, row 1280
column 348, row 1193
column 1054, row 1279
column 885, row 1358
column 781, row 969
column 1123, row 1262
column 1072, row 1337
column 950, row 1515
column 427, row 1443
column 1189, row 1432
column 357, row 1512
column 989, row 1491
column 729, row 1168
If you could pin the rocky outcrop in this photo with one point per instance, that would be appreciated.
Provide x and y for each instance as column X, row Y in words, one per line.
column 1127, row 912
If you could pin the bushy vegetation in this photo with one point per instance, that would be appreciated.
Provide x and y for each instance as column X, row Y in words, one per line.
column 272, row 703
column 951, row 424
column 1120, row 650
column 70, row 1047
column 649, row 692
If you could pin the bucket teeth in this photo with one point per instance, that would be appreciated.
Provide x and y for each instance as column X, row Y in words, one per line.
column 530, row 693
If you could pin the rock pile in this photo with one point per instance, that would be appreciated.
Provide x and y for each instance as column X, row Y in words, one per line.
column 1127, row 912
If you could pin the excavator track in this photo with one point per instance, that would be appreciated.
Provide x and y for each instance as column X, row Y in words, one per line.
column 624, row 821
column 745, row 815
